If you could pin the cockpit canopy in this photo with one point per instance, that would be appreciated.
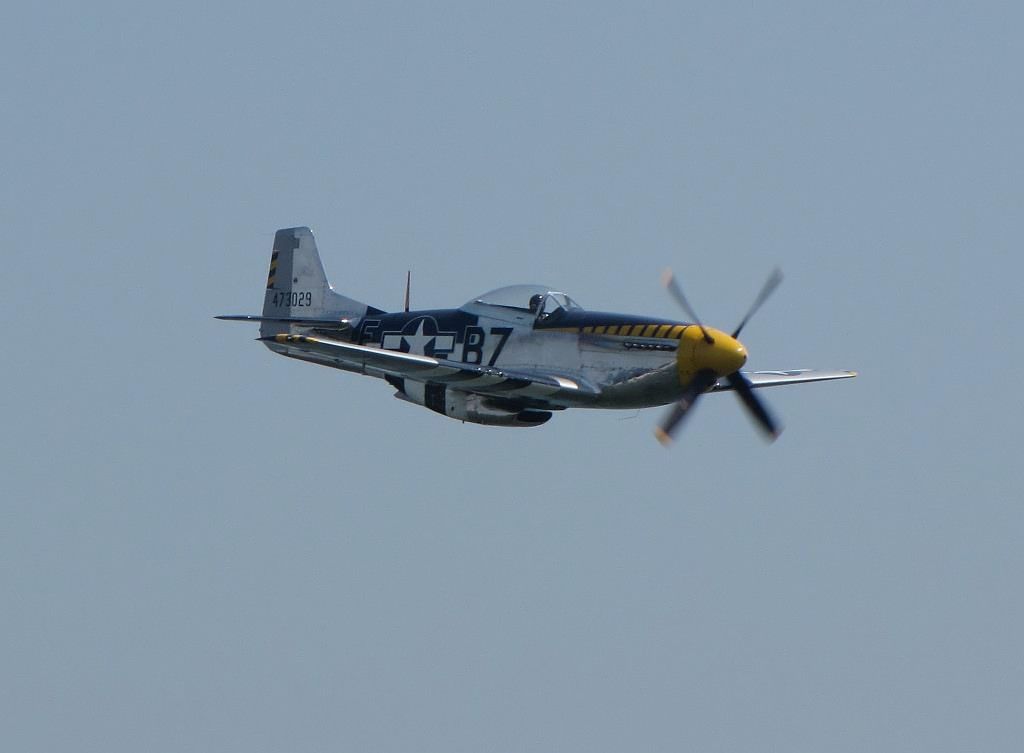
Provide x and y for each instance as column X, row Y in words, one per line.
column 539, row 300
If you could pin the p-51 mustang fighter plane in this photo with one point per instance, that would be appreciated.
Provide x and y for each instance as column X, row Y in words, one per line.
column 514, row 355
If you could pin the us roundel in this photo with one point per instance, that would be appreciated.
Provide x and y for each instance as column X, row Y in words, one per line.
column 420, row 337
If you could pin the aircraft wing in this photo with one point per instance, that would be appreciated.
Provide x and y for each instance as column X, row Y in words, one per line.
column 792, row 376
column 484, row 380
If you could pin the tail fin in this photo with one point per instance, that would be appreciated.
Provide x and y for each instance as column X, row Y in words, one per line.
column 297, row 286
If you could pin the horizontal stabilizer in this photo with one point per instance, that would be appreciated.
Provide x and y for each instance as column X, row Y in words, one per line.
column 297, row 320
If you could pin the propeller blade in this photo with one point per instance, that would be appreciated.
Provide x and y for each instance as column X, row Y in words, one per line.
column 753, row 404
column 669, row 281
column 766, row 290
column 670, row 424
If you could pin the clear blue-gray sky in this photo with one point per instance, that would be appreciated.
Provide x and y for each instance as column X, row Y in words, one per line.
column 206, row 547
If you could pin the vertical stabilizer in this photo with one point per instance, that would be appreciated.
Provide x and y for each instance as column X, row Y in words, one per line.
column 297, row 286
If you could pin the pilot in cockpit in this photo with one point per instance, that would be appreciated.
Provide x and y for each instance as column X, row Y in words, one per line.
column 536, row 301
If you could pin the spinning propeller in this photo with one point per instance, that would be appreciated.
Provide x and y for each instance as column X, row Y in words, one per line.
column 703, row 360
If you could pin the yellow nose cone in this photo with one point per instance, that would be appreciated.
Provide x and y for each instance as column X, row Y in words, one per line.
column 724, row 356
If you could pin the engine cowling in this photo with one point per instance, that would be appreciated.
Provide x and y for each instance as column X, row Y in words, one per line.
column 466, row 406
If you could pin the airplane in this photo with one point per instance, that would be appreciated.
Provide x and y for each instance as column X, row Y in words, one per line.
column 517, row 354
